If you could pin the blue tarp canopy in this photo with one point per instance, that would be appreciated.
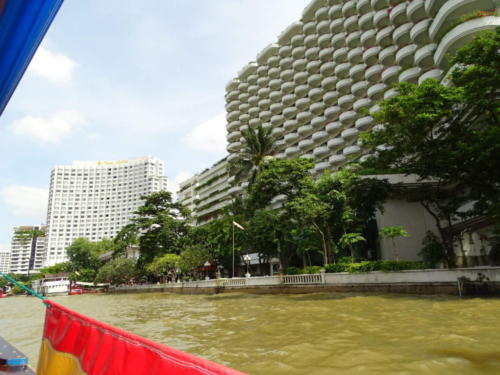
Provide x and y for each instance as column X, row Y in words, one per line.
column 23, row 24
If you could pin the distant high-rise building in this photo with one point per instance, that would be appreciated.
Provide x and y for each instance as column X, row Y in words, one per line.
column 95, row 199
column 5, row 260
column 27, row 249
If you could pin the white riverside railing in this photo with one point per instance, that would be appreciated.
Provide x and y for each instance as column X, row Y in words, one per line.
column 303, row 279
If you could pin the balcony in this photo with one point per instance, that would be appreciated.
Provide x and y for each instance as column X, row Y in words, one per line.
column 355, row 55
column 368, row 38
column 360, row 104
column 332, row 113
column 291, row 138
column 335, row 143
column 299, row 65
column 372, row 74
column 300, row 77
column 390, row 75
column 309, row 27
column 357, row 72
column 387, row 56
column 262, row 70
column 264, row 92
column 291, row 125
column 419, row 33
column 285, row 51
column 233, row 126
column 401, row 34
column 248, row 69
column 287, row 75
column 379, row 4
column 234, row 146
column 263, row 115
column 416, row 10
column 303, row 103
column 275, row 84
column 342, row 70
column 344, row 86
column 337, row 25
column 253, row 123
column 370, row 56
column 312, row 53
column 461, row 35
column 252, row 79
column 275, row 96
column 351, row 24
column 320, row 151
column 233, row 136
column 277, row 120
column 243, row 86
column 323, row 27
column 314, row 80
column 292, row 151
column 313, row 66
column 451, row 11
column 288, row 99
column 424, row 56
column 277, row 132
column 363, row 6
column 335, row 11
column 330, row 97
column 315, row 94
column 264, row 103
column 317, row 108
column 334, row 128
column 391, row 93
column 286, row 63
column 398, row 14
column 290, row 112
column 327, row 68
column 349, row 8
column 325, row 40
column 319, row 167
column 274, row 72
column 364, row 123
column 233, row 116
column 381, row 19
column 306, row 144
column 365, row 22
column 351, row 151
column 346, row 101
column 244, row 107
column 434, row 74
column 338, row 40
column 301, row 91
column 289, row 32
column 321, row 13
column 376, row 91
column 232, row 85
column 359, row 88
column 310, row 41
column 337, row 159
column 340, row 55
column 319, row 136
column 384, row 36
column 297, row 40
column 405, row 56
column 233, row 105
column 353, row 39
column 350, row 133
column 410, row 75
column 303, row 117
column 318, row 122
column 347, row 118
column 374, row 109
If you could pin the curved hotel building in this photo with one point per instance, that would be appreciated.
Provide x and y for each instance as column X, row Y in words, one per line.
column 318, row 85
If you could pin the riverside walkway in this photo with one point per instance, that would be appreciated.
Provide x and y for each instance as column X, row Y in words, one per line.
column 460, row 281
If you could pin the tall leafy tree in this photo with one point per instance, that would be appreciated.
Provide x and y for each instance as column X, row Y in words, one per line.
column 259, row 144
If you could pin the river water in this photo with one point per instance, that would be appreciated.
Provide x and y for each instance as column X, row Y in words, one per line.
column 294, row 334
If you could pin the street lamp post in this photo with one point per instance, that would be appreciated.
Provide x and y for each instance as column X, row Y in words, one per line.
column 207, row 264
column 247, row 259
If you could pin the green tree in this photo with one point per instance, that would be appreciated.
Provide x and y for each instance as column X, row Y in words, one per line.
column 449, row 136
column 165, row 265
column 117, row 271
column 82, row 254
column 192, row 257
column 162, row 227
column 392, row 232
column 348, row 240
column 258, row 146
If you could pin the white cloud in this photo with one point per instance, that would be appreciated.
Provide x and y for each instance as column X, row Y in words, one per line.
column 26, row 202
column 173, row 185
column 51, row 129
column 52, row 66
column 209, row 136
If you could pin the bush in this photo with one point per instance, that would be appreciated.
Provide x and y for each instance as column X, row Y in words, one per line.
column 432, row 251
column 374, row 265
column 311, row 269
column 293, row 271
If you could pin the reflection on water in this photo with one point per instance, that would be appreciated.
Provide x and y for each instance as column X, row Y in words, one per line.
column 298, row 334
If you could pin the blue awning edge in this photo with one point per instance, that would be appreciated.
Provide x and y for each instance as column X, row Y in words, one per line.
column 23, row 24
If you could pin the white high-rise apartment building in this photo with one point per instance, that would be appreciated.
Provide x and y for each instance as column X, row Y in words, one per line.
column 95, row 199
column 27, row 251
column 4, row 260
column 318, row 85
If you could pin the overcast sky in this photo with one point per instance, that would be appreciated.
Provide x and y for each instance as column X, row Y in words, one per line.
column 116, row 79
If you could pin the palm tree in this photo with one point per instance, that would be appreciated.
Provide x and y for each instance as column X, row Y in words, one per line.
column 258, row 146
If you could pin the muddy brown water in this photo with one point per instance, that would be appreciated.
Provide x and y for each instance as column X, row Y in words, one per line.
column 294, row 334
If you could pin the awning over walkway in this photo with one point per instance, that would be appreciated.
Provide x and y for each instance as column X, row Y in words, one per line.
column 23, row 24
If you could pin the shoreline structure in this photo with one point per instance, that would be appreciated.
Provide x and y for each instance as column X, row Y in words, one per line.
column 459, row 281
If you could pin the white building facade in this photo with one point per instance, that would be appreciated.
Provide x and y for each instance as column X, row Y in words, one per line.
column 206, row 193
column 28, row 249
column 4, row 260
column 319, row 84
column 95, row 199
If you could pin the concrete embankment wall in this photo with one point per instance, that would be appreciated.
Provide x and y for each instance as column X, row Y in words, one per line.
column 465, row 281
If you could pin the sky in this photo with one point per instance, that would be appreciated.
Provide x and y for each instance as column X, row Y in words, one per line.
column 116, row 79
